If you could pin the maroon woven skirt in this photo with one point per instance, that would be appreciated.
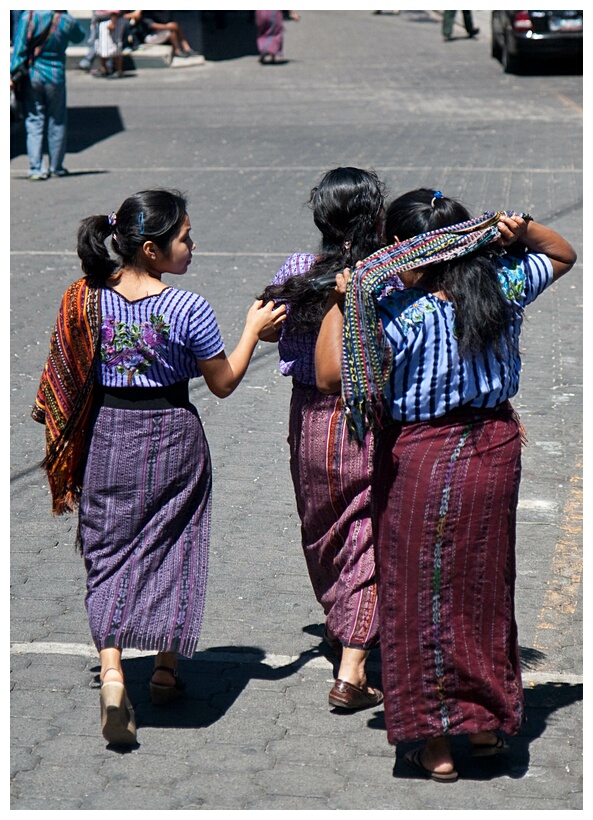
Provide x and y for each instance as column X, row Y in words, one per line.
column 445, row 499
column 332, row 483
column 270, row 32
column 144, row 527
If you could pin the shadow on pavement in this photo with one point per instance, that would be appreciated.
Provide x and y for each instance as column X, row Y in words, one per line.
column 227, row 35
column 87, row 126
column 212, row 686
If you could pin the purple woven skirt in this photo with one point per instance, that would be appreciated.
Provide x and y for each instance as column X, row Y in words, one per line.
column 144, row 527
column 332, row 482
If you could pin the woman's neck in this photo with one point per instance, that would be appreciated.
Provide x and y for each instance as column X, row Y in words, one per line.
column 135, row 283
column 421, row 278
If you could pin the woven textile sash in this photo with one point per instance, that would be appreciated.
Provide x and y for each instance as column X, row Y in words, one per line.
column 65, row 396
column 366, row 355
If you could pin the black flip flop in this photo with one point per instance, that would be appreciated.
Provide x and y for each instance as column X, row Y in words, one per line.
column 489, row 749
column 414, row 760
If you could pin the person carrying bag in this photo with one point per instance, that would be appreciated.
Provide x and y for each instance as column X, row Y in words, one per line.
column 38, row 80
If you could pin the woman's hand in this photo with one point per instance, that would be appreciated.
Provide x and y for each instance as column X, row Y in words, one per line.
column 511, row 229
column 265, row 319
column 342, row 280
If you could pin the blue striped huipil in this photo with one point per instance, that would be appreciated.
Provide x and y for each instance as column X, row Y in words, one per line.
column 428, row 377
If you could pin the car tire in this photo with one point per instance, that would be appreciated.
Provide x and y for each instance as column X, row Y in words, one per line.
column 510, row 62
column 495, row 48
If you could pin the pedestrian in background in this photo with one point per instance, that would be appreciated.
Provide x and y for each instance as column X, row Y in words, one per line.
column 14, row 21
column 125, row 445
column 109, row 45
column 87, row 61
column 331, row 474
column 157, row 32
column 468, row 22
column 270, row 34
column 432, row 369
column 44, row 90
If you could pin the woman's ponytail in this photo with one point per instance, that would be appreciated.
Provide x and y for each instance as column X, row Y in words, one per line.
column 96, row 261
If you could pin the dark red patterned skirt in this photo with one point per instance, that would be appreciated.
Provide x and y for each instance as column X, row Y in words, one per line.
column 445, row 500
column 270, row 32
column 332, row 482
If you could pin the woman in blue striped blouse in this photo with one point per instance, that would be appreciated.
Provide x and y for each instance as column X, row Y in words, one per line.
column 448, row 464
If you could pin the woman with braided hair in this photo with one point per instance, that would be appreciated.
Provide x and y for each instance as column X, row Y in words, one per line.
column 431, row 369
column 332, row 474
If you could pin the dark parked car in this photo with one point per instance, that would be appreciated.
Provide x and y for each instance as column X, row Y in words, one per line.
column 519, row 37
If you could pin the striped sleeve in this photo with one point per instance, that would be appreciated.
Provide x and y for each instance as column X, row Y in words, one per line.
column 204, row 339
column 538, row 275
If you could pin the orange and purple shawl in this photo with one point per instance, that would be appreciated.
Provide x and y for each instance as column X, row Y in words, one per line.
column 65, row 396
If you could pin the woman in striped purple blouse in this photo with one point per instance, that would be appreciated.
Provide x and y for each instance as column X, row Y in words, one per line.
column 331, row 473
column 126, row 443
column 448, row 463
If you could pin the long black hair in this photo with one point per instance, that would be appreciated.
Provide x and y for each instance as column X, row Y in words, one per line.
column 155, row 215
column 482, row 314
column 347, row 208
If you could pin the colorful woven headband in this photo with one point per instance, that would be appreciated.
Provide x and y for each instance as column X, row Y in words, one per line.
column 367, row 356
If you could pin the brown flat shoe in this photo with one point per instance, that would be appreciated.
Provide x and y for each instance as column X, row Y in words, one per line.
column 345, row 695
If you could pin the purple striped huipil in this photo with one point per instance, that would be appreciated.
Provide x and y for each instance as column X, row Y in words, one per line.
column 144, row 519
column 331, row 476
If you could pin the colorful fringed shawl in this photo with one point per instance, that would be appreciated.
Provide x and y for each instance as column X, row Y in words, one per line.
column 65, row 394
column 366, row 355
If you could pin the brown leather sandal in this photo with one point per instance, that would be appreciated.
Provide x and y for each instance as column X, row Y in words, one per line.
column 163, row 693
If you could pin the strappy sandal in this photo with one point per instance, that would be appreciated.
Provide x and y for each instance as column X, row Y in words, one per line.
column 118, row 721
column 489, row 749
column 414, row 759
column 163, row 693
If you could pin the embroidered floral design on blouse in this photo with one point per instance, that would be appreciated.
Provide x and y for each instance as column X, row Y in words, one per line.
column 133, row 348
column 411, row 307
column 512, row 280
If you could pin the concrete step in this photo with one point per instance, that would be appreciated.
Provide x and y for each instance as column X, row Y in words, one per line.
column 145, row 56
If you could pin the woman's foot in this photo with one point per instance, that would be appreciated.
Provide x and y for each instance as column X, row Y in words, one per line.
column 351, row 691
column 118, row 722
column 112, row 674
column 165, row 685
column 487, row 744
column 435, row 763
column 436, row 756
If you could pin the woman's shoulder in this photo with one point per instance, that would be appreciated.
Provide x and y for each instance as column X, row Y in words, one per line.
column 185, row 299
column 296, row 264
column 523, row 278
